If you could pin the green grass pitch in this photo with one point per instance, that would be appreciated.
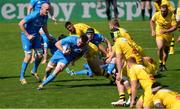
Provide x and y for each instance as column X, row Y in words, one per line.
column 70, row 91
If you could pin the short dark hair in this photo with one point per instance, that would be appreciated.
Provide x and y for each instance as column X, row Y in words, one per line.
column 61, row 36
column 84, row 38
column 90, row 30
column 67, row 23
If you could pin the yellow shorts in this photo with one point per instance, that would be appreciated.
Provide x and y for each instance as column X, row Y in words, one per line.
column 166, row 37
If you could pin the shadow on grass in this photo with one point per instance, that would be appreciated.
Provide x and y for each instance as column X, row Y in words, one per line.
column 174, row 69
column 159, row 75
column 10, row 77
column 68, row 80
column 84, row 85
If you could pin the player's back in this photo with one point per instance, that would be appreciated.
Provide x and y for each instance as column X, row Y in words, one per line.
column 81, row 28
column 166, row 97
column 127, row 49
column 142, row 75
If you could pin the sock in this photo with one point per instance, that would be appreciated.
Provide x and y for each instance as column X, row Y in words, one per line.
column 86, row 66
column 142, row 13
column 164, row 63
column 122, row 96
column 23, row 69
column 82, row 72
column 49, row 79
column 160, row 62
column 150, row 13
column 36, row 64
column 172, row 45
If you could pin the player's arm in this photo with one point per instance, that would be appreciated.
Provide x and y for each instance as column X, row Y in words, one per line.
column 102, row 49
column 59, row 45
column 47, row 32
column 133, row 92
column 152, row 26
column 22, row 27
column 29, row 9
column 31, row 5
column 108, row 44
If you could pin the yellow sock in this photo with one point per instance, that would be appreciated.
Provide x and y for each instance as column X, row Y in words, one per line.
column 122, row 95
column 129, row 91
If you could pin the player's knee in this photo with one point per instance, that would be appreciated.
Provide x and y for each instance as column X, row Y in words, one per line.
column 39, row 53
column 28, row 56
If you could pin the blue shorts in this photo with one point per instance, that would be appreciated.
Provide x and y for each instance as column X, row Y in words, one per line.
column 33, row 44
column 59, row 57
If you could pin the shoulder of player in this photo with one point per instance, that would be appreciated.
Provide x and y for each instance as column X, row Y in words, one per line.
column 122, row 30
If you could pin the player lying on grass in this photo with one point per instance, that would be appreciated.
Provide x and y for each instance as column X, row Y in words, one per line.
column 76, row 47
column 164, row 98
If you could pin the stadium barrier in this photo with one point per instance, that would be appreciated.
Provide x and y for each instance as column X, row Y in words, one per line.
column 75, row 10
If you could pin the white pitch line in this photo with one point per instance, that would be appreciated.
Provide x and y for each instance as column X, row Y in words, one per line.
column 149, row 48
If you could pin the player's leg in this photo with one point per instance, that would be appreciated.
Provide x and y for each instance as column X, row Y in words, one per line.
column 26, row 44
column 114, row 3
column 165, row 56
column 45, row 54
column 121, row 88
column 108, row 13
column 38, row 57
column 143, row 3
column 60, row 66
column 48, row 69
column 139, row 103
column 149, row 7
column 160, row 50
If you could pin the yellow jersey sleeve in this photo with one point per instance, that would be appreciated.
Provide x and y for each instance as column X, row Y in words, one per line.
column 154, row 16
column 173, row 23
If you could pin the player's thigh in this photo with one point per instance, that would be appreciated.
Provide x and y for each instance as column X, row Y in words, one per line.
column 59, row 67
column 26, row 43
column 160, row 42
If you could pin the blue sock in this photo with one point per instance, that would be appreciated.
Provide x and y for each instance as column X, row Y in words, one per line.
column 36, row 64
column 86, row 66
column 23, row 69
column 82, row 72
column 49, row 79
column 110, row 68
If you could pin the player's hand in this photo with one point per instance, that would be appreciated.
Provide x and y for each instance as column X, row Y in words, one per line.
column 66, row 52
column 30, row 37
column 153, row 33
column 44, row 61
column 108, row 60
column 132, row 104
column 163, row 31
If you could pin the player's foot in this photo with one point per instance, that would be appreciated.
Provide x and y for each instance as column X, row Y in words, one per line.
column 70, row 72
column 171, row 51
column 119, row 103
column 36, row 76
column 164, row 68
column 40, row 87
column 128, row 101
column 23, row 81
column 161, row 68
